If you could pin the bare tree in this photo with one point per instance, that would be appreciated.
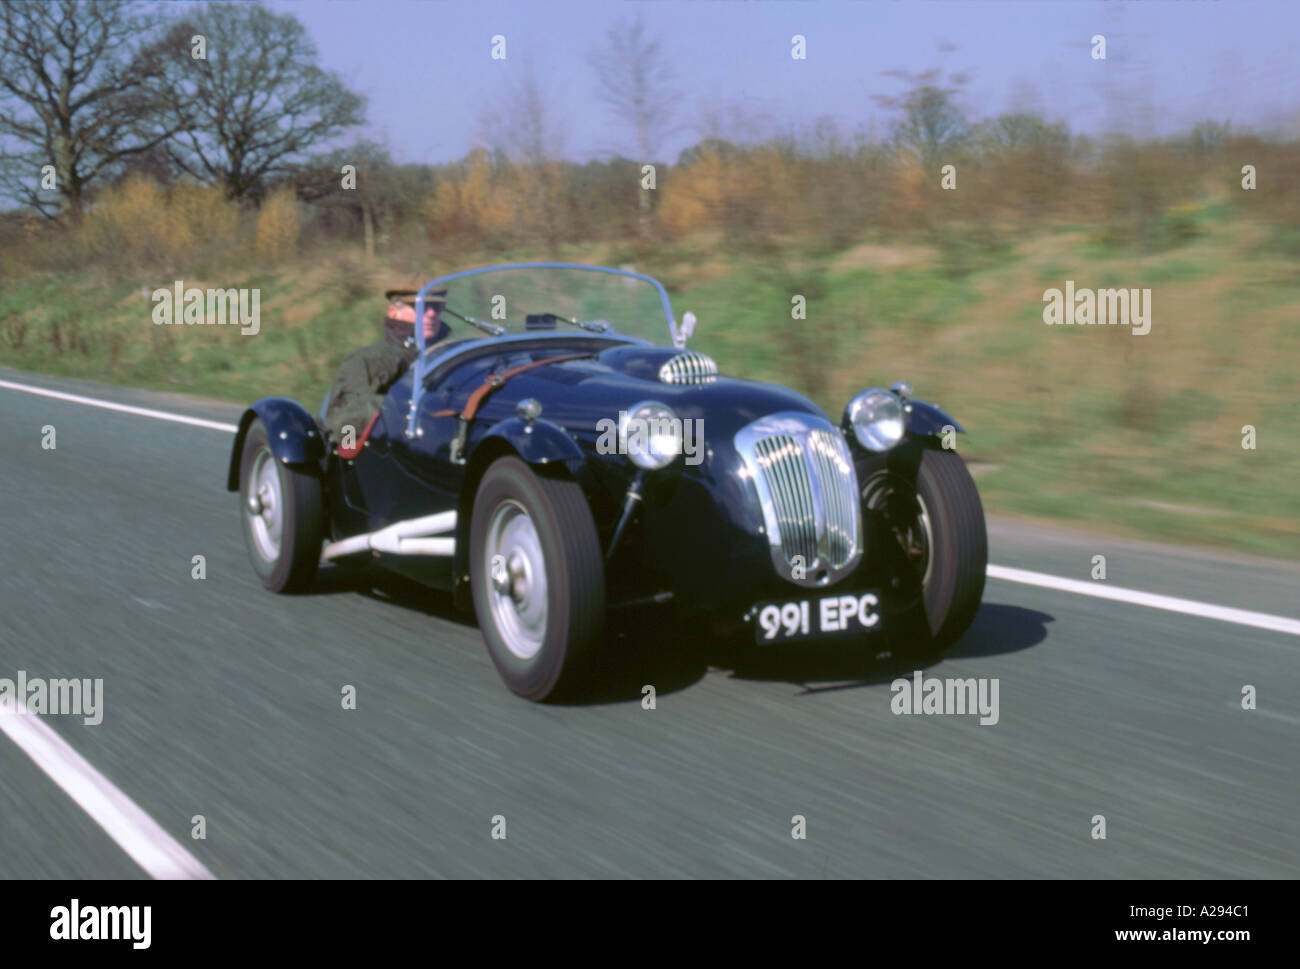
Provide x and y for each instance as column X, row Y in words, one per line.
column 521, row 124
column 522, row 127
column 1019, row 131
column 740, row 123
column 636, row 84
column 257, row 102
column 78, row 91
column 932, row 126
column 362, row 180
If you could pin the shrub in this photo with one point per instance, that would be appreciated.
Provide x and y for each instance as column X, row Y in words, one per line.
column 277, row 226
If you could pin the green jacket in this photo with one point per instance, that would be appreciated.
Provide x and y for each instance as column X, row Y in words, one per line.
column 361, row 385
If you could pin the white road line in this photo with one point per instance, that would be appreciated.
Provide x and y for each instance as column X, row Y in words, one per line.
column 149, row 846
column 123, row 408
column 1188, row 607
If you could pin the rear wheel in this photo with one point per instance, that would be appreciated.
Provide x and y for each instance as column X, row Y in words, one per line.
column 282, row 512
column 937, row 522
column 538, row 579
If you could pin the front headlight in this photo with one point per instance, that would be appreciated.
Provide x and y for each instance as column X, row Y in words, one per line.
column 876, row 418
column 650, row 435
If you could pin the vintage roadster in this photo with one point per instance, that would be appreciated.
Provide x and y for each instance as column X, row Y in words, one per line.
column 550, row 461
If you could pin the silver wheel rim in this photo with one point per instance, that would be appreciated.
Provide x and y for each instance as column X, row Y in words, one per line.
column 923, row 520
column 919, row 541
column 265, row 507
column 516, row 579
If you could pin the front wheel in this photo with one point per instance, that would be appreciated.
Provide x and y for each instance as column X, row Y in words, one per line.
column 282, row 515
column 538, row 579
column 937, row 522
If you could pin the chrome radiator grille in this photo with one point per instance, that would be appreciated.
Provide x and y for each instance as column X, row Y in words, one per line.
column 808, row 491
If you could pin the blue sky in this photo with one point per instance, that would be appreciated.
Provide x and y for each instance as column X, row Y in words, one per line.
column 426, row 69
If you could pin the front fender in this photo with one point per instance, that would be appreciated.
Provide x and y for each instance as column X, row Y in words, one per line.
column 539, row 442
column 926, row 420
column 294, row 437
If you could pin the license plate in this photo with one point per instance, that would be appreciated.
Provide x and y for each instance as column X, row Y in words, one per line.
column 818, row 617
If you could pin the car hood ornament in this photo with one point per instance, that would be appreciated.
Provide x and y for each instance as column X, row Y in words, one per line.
column 682, row 332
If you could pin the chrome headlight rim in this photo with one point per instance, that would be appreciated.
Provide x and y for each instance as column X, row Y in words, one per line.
column 876, row 419
column 653, row 451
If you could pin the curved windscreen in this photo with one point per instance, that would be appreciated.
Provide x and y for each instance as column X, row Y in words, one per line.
column 553, row 298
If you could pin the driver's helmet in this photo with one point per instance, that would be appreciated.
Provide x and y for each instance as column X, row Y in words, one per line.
column 399, row 320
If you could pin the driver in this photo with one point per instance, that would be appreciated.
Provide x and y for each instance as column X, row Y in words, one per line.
column 366, row 373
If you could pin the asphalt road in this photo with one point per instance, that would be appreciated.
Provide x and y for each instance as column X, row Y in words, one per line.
column 223, row 700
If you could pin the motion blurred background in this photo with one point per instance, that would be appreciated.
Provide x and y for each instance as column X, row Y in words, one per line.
column 796, row 151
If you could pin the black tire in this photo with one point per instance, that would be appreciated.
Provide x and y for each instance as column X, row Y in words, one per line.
column 291, row 565
column 557, row 512
column 959, row 549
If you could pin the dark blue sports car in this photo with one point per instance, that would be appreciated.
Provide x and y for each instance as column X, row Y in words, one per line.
column 560, row 452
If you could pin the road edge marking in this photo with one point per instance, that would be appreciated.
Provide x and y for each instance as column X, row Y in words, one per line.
column 134, row 831
column 1188, row 607
column 160, row 415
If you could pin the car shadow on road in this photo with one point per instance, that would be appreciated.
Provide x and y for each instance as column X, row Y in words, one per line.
column 646, row 648
column 652, row 651
column 641, row 645
column 1000, row 628
column 997, row 629
column 389, row 587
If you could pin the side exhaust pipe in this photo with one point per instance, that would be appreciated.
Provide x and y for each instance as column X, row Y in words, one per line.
column 415, row 536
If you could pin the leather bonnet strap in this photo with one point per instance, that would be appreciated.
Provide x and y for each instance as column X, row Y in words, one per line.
column 496, row 381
